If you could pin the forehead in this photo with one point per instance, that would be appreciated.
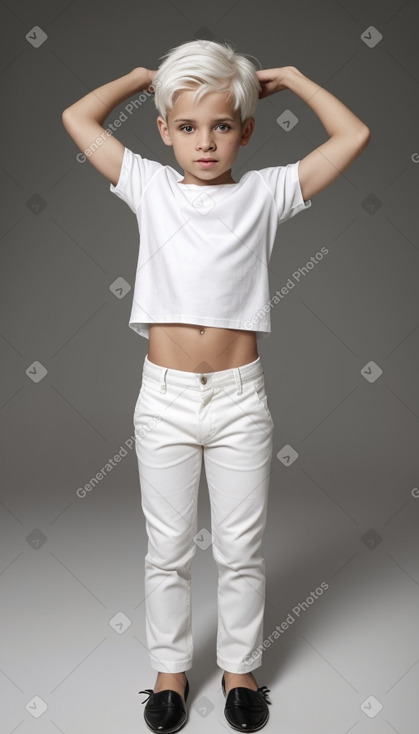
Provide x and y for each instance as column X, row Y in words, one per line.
column 212, row 104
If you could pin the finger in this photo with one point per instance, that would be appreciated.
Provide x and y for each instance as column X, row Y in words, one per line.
column 266, row 73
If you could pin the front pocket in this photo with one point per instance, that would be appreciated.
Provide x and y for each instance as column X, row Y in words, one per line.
column 138, row 400
column 260, row 392
column 144, row 387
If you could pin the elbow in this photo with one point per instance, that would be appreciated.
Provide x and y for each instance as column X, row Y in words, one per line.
column 68, row 112
column 364, row 137
column 64, row 116
column 68, row 119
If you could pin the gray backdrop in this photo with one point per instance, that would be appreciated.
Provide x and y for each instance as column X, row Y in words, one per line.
column 341, row 371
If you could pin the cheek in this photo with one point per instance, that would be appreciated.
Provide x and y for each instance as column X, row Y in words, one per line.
column 180, row 142
column 232, row 144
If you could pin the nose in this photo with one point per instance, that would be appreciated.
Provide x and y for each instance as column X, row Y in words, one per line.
column 205, row 141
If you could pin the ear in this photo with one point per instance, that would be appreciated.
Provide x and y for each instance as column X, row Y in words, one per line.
column 164, row 130
column 247, row 130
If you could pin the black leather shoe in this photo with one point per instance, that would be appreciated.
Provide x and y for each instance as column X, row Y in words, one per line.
column 165, row 711
column 245, row 709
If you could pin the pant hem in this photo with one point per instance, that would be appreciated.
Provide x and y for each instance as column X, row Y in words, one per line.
column 238, row 667
column 167, row 666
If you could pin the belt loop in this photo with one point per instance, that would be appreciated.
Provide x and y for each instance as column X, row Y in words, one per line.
column 238, row 380
column 163, row 384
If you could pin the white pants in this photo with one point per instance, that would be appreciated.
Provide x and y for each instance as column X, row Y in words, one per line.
column 179, row 418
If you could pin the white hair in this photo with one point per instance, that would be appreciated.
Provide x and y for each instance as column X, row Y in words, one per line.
column 213, row 67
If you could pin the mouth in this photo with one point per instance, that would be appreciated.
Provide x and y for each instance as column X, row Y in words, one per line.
column 207, row 162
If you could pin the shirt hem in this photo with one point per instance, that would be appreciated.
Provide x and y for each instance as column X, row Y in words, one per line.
column 143, row 327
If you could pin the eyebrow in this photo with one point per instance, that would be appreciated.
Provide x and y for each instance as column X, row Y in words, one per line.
column 220, row 119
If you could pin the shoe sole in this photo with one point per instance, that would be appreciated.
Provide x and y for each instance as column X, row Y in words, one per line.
column 242, row 728
column 168, row 731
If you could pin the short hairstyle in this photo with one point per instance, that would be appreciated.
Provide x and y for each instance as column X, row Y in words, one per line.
column 213, row 67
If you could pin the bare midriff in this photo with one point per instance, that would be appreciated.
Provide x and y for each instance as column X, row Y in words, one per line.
column 196, row 348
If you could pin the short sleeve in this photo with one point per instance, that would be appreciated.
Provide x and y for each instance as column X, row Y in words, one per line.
column 284, row 184
column 136, row 173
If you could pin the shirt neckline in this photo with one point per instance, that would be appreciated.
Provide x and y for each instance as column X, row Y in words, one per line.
column 207, row 186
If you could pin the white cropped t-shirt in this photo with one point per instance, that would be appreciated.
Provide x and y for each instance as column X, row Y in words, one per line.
column 204, row 250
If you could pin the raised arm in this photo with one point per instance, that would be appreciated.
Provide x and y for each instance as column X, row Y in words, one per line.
column 83, row 121
column 348, row 134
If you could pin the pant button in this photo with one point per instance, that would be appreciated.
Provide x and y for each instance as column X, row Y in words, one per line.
column 204, row 380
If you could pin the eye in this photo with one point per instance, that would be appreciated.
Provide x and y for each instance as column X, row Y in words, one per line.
column 222, row 124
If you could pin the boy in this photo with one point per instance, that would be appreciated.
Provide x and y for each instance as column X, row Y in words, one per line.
column 200, row 288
